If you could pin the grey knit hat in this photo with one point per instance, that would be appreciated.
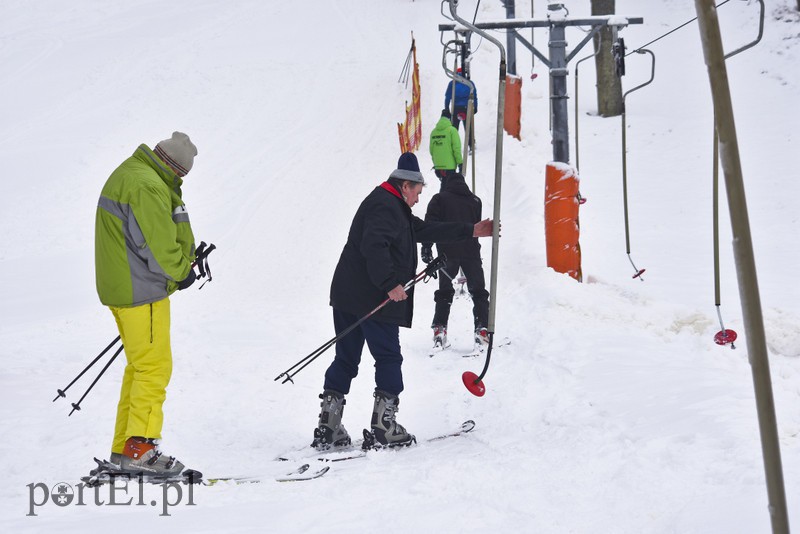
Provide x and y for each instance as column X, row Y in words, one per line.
column 408, row 169
column 178, row 152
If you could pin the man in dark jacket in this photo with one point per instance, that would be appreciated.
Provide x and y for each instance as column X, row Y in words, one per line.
column 457, row 203
column 380, row 256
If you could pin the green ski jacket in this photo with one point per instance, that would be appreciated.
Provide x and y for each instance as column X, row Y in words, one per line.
column 445, row 145
column 143, row 240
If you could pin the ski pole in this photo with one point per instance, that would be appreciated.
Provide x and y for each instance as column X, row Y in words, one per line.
column 62, row 392
column 201, row 262
column 429, row 271
column 77, row 405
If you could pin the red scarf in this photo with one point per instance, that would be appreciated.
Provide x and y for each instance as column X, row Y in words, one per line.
column 389, row 187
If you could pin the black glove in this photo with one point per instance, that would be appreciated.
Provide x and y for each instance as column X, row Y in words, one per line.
column 189, row 280
column 427, row 252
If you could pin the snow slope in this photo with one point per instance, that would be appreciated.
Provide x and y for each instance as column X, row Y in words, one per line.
column 612, row 410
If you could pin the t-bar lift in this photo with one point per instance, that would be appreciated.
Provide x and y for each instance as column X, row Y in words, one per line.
column 557, row 21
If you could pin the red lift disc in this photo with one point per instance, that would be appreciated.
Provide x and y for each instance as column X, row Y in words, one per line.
column 469, row 378
column 723, row 337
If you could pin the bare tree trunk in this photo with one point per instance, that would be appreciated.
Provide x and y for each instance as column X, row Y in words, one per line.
column 609, row 86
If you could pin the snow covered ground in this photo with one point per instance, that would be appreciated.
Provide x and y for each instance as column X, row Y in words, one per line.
column 611, row 411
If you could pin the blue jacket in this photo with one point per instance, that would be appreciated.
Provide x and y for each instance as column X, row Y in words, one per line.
column 462, row 95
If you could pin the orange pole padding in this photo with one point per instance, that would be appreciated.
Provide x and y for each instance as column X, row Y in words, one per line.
column 513, row 107
column 561, row 225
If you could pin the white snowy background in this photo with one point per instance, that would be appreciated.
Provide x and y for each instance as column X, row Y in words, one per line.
column 611, row 411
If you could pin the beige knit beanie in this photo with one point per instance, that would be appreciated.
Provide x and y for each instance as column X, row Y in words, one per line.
column 178, row 151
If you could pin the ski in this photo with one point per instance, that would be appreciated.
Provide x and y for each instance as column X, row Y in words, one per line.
column 234, row 480
column 478, row 349
column 334, row 454
column 297, row 475
column 107, row 472
column 302, row 473
column 360, row 448
column 438, row 349
column 369, row 443
column 465, row 428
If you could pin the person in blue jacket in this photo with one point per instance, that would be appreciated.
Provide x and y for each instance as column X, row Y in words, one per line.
column 461, row 101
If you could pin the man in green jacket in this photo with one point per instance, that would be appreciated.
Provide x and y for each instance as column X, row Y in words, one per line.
column 445, row 147
column 144, row 249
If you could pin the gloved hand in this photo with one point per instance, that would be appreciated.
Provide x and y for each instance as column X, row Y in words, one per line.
column 189, row 280
column 427, row 252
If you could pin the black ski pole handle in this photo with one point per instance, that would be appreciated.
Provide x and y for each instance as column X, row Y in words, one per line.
column 201, row 261
column 200, row 254
column 437, row 264
column 199, row 250
column 204, row 254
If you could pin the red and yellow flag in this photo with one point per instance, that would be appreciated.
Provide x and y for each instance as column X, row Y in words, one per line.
column 410, row 131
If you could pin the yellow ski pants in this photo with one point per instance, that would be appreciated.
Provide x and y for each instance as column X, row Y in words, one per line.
column 145, row 334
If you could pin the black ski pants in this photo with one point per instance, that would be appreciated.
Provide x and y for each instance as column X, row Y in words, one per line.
column 476, row 285
column 461, row 111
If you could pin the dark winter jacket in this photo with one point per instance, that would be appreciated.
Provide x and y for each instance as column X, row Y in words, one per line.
column 456, row 202
column 462, row 95
column 381, row 253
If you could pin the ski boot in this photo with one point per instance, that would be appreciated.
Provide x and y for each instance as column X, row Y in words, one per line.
column 141, row 455
column 439, row 336
column 481, row 336
column 330, row 431
column 386, row 430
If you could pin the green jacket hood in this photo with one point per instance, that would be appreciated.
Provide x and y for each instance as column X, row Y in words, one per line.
column 442, row 124
column 445, row 145
column 167, row 175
